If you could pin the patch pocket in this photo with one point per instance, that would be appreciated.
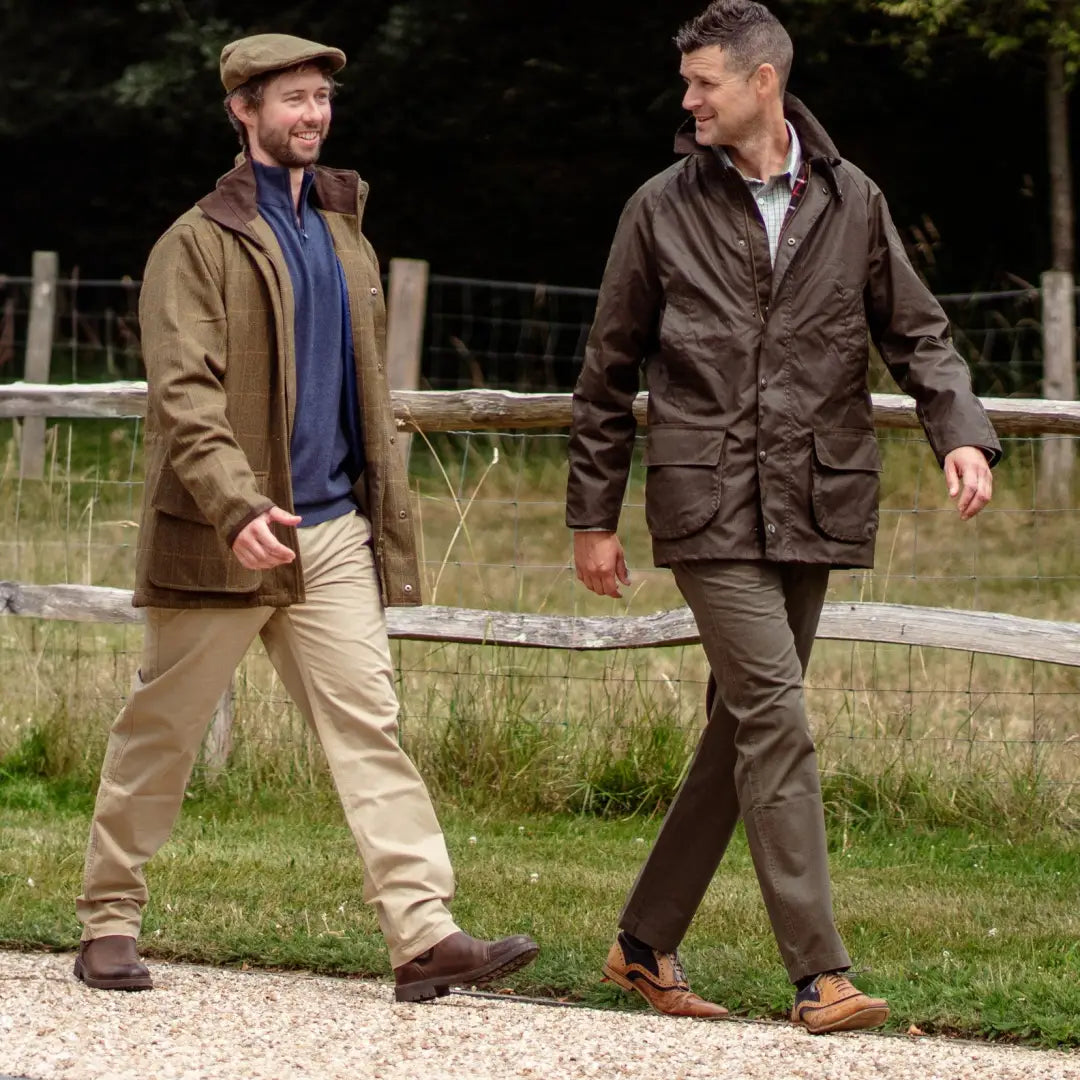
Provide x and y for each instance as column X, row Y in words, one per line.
column 846, row 468
column 682, row 481
column 186, row 551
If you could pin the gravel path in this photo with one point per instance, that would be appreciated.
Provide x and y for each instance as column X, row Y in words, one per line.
column 209, row 1023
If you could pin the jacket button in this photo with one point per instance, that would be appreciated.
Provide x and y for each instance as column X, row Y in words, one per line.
column 764, row 382
column 770, row 528
column 762, row 455
column 393, row 439
column 402, row 514
column 408, row 588
column 791, row 241
column 374, row 292
column 742, row 243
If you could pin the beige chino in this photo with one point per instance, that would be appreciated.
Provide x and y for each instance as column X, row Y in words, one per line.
column 332, row 654
column 755, row 760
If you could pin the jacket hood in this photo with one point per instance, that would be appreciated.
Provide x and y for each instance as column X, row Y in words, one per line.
column 816, row 144
column 232, row 203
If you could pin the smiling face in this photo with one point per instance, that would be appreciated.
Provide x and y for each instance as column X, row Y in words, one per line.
column 290, row 125
column 729, row 105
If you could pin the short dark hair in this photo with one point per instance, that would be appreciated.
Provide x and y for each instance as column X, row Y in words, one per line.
column 250, row 93
column 748, row 32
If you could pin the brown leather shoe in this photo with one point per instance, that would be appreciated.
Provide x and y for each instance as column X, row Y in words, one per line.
column 659, row 978
column 461, row 960
column 111, row 963
column 832, row 1003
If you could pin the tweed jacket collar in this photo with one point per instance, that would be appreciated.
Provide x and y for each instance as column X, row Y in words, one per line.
column 232, row 204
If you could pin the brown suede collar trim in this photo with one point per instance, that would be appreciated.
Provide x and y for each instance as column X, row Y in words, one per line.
column 232, row 204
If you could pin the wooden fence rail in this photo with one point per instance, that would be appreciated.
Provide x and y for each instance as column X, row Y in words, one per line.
column 464, row 410
column 897, row 624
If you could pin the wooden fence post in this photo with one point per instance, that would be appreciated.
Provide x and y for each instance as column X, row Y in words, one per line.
column 406, row 310
column 1059, row 377
column 218, row 742
column 39, row 340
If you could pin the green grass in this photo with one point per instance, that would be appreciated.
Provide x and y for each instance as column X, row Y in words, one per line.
column 964, row 930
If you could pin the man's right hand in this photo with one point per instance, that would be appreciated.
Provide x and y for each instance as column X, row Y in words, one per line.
column 600, row 562
column 258, row 548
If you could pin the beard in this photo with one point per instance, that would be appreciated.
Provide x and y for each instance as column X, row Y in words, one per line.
column 278, row 145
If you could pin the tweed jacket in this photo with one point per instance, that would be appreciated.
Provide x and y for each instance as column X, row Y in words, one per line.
column 760, row 441
column 216, row 316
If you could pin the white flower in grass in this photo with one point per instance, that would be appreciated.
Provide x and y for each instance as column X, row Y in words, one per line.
column 30, row 882
column 992, row 932
column 534, row 878
column 639, row 839
column 472, row 839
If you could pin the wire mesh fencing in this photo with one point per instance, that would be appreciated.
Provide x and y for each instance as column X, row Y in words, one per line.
column 564, row 729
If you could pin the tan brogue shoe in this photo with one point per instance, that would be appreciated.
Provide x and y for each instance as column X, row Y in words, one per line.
column 461, row 960
column 831, row 1003
column 112, row 963
column 658, row 977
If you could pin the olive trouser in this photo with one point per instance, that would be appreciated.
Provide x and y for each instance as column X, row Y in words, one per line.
column 332, row 654
column 756, row 760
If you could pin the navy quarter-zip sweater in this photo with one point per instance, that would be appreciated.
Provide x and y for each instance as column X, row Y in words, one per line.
column 326, row 450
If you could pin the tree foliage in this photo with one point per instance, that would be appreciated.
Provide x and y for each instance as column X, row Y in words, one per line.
column 999, row 27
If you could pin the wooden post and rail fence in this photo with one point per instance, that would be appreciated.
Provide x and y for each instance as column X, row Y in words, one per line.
column 470, row 410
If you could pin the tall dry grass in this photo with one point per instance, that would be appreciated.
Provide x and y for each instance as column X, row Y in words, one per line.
column 901, row 730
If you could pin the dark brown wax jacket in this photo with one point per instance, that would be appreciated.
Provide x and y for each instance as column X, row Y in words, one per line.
column 216, row 316
column 760, row 441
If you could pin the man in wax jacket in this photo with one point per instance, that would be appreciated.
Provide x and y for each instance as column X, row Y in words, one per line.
column 275, row 505
column 746, row 279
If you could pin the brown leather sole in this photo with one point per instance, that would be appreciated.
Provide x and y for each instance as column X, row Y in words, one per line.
column 858, row 1021
column 635, row 987
column 439, row 985
column 131, row 982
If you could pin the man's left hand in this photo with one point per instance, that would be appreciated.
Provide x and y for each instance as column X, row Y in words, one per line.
column 970, row 481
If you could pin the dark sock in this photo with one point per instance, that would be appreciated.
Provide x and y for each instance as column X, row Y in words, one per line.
column 802, row 984
column 635, row 943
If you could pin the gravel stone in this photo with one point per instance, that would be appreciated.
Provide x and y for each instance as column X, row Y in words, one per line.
column 202, row 1023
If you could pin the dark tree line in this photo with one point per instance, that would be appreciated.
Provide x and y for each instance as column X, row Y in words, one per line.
column 500, row 138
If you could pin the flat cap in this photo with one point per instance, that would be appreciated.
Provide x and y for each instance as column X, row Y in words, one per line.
column 247, row 57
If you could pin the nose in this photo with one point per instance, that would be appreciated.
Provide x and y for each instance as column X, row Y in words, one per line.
column 691, row 99
column 312, row 114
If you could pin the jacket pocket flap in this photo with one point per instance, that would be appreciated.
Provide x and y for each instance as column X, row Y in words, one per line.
column 854, row 449
column 171, row 497
column 679, row 444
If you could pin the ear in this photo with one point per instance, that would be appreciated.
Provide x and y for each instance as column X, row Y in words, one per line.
column 766, row 81
column 243, row 111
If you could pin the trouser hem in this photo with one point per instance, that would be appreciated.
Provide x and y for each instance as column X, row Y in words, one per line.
column 403, row 953
column 815, row 966
column 638, row 926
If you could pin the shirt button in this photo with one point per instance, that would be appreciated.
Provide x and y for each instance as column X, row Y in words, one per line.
column 770, row 528
column 791, row 241
column 762, row 455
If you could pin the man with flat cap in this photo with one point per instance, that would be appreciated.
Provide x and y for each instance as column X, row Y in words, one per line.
column 275, row 505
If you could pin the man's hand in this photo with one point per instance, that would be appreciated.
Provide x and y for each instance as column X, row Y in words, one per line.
column 599, row 561
column 970, row 481
column 258, row 548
